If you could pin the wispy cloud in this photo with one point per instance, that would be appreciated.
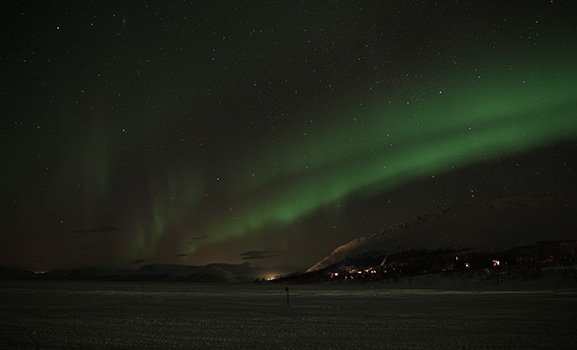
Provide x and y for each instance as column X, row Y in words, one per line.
column 259, row 254
column 198, row 238
column 99, row 229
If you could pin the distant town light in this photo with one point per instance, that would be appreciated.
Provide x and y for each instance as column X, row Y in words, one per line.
column 496, row 263
column 333, row 274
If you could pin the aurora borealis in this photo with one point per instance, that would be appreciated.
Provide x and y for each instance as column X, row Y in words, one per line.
column 198, row 132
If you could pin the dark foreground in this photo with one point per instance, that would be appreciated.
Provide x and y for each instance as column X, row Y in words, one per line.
column 104, row 315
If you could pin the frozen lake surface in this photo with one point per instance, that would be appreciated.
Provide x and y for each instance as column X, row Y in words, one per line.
column 106, row 315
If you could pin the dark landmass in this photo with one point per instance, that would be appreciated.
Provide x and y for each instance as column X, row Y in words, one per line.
column 541, row 264
column 479, row 225
column 153, row 272
column 7, row 272
column 523, row 237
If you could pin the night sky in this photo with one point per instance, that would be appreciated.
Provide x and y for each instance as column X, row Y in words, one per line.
column 194, row 132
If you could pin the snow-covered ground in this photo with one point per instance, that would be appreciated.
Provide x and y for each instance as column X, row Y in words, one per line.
column 104, row 315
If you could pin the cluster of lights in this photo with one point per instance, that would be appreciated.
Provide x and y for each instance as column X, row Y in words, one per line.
column 494, row 263
column 351, row 273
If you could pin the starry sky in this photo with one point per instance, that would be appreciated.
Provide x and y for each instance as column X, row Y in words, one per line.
column 194, row 132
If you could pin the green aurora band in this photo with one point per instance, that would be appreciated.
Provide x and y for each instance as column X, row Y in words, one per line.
column 362, row 148
column 401, row 140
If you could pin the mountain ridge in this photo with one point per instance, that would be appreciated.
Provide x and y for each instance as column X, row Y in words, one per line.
column 515, row 220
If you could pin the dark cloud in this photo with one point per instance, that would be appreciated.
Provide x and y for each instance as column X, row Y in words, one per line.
column 98, row 229
column 197, row 238
column 181, row 255
column 259, row 254
column 138, row 261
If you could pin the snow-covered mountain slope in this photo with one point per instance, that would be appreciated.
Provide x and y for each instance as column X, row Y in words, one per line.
column 506, row 222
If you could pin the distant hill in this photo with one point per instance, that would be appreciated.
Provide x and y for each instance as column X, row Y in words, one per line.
column 155, row 272
column 92, row 273
column 7, row 272
column 171, row 272
column 498, row 224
